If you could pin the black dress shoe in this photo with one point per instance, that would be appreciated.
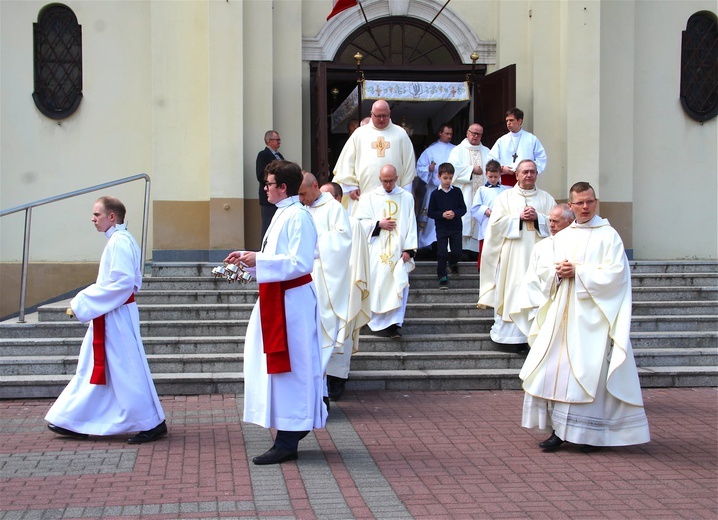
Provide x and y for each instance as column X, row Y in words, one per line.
column 150, row 435
column 65, row 432
column 393, row 331
column 588, row 448
column 335, row 387
column 522, row 349
column 551, row 443
column 275, row 456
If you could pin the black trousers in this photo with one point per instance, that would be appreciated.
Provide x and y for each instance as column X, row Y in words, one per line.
column 289, row 441
column 442, row 252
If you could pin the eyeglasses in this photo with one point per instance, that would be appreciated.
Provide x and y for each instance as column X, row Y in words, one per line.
column 475, row 134
column 583, row 203
column 380, row 116
column 268, row 184
column 274, row 139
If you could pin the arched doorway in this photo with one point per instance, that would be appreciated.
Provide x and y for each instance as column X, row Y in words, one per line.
column 401, row 48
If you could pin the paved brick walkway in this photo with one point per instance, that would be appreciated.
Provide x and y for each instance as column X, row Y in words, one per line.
column 383, row 455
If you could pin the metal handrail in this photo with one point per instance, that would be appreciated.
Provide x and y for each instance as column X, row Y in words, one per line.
column 28, row 220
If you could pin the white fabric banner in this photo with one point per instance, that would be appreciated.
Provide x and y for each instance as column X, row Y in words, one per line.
column 416, row 90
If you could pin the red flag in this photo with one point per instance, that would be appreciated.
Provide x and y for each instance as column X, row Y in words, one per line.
column 341, row 5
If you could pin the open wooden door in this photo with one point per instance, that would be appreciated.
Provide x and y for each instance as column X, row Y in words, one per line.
column 320, row 121
column 495, row 94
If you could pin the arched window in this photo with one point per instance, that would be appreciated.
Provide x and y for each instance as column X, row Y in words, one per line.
column 699, row 66
column 58, row 61
column 398, row 41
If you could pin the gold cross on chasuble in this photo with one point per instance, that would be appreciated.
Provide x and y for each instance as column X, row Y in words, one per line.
column 380, row 145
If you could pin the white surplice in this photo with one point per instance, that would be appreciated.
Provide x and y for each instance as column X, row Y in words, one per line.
column 128, row 402
column 366, row 152
column 389, row 288
column 505, row 256
column 464, row 157
column 522, row 143
column 483, row 200
column 289, row 401
column 580, row 375
column 437, row 152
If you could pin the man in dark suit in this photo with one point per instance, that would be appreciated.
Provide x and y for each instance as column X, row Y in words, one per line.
column 269, row 154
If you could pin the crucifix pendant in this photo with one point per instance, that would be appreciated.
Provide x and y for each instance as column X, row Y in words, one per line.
column 515, row 155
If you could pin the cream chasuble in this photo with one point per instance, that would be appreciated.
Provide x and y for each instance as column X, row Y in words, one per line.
column 464, row 157
column 581, row 360
column 367, row 151
column 389, row 273
column 505, row 257
column 332, row 272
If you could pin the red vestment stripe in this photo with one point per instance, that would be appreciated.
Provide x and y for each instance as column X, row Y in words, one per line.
column 274, row 322
column 98, row 376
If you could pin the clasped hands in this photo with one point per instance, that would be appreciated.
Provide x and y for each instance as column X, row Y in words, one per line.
column 528, row 213
column 565, row 269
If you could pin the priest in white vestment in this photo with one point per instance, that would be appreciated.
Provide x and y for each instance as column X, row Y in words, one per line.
column 112, row 391
column 580, row 375
column 332, row 272
column 283, row 377
column 359, row 309
column 515, row 146
column 368, row 149
column 469, row 160
column 387, row 215
column 518, row 220
column 427, row 168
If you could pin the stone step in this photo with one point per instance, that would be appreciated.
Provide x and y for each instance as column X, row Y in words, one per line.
column 57, row 346
column 203, row 269
column 27, row 387
column 241, row 311
column 416, row 295
column 414, row 326
column 424, row 281
column 210, row 363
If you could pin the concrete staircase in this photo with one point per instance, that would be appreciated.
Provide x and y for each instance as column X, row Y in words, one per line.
column 193, row 327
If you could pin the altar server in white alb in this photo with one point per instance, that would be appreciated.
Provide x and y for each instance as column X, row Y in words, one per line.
column 370, row 147
column 517, row 145
column 112, row 392
column 518, row 220
column 283, row 380
column 469, row 159
column 332, row 272
column 427, row 168
column 387, row 215
column 580, row 376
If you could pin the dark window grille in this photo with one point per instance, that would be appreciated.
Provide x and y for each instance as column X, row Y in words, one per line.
column 58, row 61
column 699, row 66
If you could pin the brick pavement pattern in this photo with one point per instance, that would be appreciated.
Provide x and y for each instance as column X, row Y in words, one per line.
column 383, row 454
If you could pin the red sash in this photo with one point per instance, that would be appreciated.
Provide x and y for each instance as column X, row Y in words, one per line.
column 274, row 322
column 98, row 348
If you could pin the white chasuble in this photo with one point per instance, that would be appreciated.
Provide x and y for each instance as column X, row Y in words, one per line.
column 512, row 148
column 580, row 375
column 292, row 400
column 128, row 402
column 367, row 151
column 506, row 253
column 464, row 158
column 389, row 273
column 359, row 312
column 332, row 273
